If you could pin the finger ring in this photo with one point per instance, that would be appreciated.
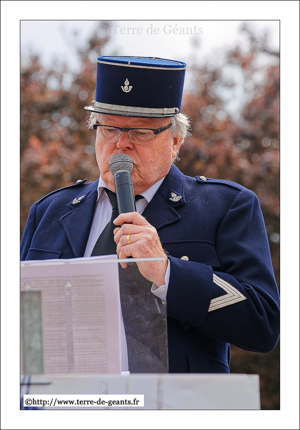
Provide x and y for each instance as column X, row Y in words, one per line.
column 128, row 239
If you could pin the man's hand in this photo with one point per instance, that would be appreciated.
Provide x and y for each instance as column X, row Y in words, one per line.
column 143, row 242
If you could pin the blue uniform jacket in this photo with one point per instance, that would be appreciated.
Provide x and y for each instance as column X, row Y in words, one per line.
column 222, row 288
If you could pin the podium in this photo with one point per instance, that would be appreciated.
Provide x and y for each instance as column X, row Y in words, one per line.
column 68, row 347
column 161, row 391
column 70, row 317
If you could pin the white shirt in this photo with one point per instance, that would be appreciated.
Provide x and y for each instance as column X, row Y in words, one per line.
column 102, row 216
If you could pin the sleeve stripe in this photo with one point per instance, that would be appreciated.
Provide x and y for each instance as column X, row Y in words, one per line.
column 233, row 295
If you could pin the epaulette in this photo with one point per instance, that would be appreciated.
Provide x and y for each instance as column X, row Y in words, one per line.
column 206, row 180
column 77, row 184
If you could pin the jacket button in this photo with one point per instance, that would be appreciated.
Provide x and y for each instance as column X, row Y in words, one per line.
column 203, row 178
column 184, row 257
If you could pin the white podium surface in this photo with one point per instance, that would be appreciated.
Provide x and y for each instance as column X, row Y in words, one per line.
column 161, row 391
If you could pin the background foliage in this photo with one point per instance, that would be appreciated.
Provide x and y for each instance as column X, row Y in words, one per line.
column 57, row 149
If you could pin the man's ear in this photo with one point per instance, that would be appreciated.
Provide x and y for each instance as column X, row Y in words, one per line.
column 176, row 145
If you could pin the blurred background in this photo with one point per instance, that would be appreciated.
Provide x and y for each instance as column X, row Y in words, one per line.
column 231, row 96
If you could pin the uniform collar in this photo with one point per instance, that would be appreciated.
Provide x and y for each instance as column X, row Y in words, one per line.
column 148, row 194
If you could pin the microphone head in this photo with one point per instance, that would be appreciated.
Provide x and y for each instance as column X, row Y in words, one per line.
column 120, row 162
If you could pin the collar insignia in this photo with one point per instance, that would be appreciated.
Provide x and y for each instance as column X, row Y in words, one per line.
column 75, row 201
column 126, row 87
column 174, row 197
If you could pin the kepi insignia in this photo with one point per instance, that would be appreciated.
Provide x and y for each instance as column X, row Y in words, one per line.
column 174, row 197
column 75, row 201
column 127, row 88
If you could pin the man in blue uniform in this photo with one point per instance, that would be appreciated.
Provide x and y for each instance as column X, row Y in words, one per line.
column 216, row 274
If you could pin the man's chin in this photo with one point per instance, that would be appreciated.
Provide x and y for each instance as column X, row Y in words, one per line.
column 109, row 180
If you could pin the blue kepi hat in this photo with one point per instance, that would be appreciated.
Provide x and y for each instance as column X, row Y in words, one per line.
column 138, row 87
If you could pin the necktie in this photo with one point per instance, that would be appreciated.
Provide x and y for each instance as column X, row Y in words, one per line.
column 105, row 244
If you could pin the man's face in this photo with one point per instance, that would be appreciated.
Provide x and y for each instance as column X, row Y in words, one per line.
column 151, row 161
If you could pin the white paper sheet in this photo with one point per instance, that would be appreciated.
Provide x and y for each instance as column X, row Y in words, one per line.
column 80, row 304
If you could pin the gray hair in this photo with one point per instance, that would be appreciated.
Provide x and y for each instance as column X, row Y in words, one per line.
column 181, row 125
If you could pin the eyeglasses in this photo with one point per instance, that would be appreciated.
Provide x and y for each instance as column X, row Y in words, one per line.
column 136, row 135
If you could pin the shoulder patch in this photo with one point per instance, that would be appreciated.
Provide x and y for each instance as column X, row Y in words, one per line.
column 78, row 183
column 204, row 179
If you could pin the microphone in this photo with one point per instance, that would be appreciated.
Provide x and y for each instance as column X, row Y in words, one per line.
column 121, row 166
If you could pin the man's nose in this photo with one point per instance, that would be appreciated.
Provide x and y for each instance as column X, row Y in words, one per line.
column 124, row 141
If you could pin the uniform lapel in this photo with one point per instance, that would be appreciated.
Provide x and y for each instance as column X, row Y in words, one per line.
column 162, row 210
column 77, row 222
